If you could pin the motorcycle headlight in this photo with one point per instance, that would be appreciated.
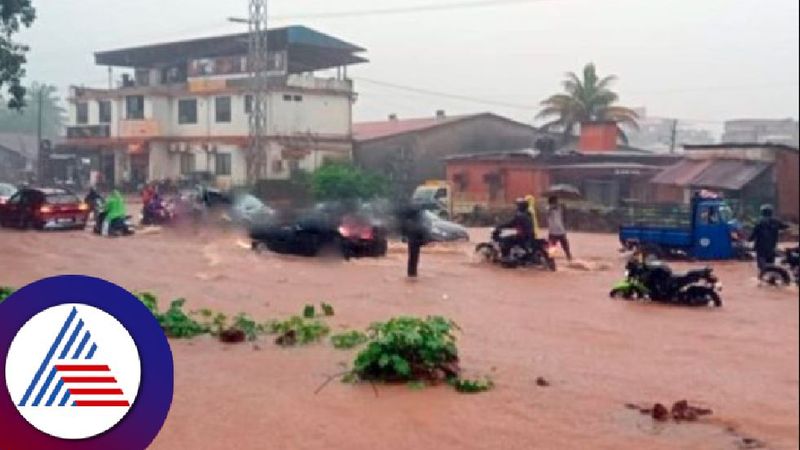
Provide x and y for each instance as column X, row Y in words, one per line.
column 627, row 273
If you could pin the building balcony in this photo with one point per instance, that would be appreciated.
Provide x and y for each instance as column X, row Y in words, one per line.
column 89, row 132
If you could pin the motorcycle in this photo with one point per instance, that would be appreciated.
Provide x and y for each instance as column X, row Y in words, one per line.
column 158, row 212
column 539, row 253
column 121, row 226
column 788, row 269
column 656, row 281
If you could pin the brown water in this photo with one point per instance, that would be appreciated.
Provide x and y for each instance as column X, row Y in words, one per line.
column 598, row 354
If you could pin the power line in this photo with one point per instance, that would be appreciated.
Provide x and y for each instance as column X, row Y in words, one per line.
column 406, row 9
column 446, row 95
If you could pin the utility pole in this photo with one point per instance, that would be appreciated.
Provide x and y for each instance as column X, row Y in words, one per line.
column 673, row 136
column 258, row 65
column 39, row 155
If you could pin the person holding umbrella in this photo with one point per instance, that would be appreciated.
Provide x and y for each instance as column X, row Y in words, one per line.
column 555, row 225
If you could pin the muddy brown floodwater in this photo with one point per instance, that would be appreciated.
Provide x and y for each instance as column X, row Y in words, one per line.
column 519, row 327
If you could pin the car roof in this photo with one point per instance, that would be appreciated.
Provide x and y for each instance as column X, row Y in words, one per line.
column 47, row 191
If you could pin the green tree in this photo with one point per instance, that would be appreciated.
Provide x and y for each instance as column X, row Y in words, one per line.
column 341, row 181
column 586, row 99
column 14, row 14
column 26, row 120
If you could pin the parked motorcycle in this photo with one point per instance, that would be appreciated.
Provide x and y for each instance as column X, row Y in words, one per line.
column 783, row 273
column 656, row 281
column 539, row 254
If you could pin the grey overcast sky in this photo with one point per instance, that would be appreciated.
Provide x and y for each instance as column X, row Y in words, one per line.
column 707, row 60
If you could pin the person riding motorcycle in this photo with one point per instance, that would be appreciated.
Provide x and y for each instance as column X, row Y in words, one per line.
column 522, row 222
column 114, row 211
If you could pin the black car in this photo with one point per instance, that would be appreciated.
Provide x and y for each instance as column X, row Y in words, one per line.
column 325, row 225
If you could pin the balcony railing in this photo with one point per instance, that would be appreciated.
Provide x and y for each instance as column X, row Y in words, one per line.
column 88, row 131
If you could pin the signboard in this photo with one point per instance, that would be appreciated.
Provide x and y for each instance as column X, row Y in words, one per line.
column 206, row 85
column 233, row 65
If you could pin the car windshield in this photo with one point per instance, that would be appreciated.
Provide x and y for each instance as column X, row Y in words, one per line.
column 7, row 190
column 425, row 194
column 62, row 199
column 249, row 202
column 725, row 213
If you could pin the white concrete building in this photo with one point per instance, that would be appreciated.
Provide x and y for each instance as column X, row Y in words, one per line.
column 185, row 110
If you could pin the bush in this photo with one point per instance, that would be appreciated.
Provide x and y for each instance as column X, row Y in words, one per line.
column 409, row 349
column 5, row 292
column 340, row 181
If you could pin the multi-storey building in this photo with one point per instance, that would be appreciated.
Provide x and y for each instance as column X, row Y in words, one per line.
column 183, row 107
column 762, row 131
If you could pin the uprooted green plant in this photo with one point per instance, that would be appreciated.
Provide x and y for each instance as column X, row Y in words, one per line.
column 298, row 330
column 409, row 349
column 176, row 323
column 348, row 339
column 5, row 292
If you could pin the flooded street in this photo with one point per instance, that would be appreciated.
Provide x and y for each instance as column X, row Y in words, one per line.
column 518, row 325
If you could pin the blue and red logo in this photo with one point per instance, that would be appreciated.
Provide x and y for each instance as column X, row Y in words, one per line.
column 86, row 366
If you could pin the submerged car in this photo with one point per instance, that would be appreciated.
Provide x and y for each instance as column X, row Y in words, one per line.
column 44, row 209
column 6, row 191
column 247, row 210
column 352, row 233
column 442, row 230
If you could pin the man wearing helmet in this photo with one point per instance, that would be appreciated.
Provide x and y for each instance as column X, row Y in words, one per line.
column 765, row 236
column 522, row 222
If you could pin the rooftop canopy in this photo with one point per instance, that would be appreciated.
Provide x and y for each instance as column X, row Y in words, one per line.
column 308, row 50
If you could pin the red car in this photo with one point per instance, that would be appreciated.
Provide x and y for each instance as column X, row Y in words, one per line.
column 44, row 209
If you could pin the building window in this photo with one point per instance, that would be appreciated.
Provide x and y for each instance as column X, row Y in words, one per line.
column 248, row 104
column 298, row 98
column 222, row 106
column 287, row 97
column 82, row 113
column 187, row 163
column 134, row 107
column 277, row 166
column 104, row 107
column 187, row 111
column 223, row 164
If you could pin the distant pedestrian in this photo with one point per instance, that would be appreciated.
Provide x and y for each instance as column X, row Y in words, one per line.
column 555, row 224
column 415, row 234
column 765, row 237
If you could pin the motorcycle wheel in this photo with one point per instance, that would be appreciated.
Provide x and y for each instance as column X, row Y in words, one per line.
column 775, row 276
column 703, row 297
column 626, row 294
column 487, row 253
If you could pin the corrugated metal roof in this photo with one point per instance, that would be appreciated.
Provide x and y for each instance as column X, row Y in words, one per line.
column 367, row 131
column 682, row 173
column 729, row 174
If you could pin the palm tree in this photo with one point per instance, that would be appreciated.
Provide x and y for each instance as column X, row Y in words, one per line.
column 586, row 100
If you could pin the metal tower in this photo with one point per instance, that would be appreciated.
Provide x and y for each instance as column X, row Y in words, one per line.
column 258, row 66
